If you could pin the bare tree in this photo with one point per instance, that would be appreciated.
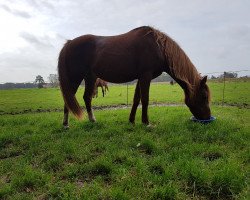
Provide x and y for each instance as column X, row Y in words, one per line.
column 53, row 80
column 229, row 75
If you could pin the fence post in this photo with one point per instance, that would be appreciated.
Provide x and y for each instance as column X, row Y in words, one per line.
column 224, row 80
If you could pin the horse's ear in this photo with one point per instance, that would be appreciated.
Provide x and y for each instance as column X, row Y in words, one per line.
column 203, row 80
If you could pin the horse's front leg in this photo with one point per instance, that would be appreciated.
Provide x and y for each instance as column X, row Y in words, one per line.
column 144, row 88
column 89, row 88
column 136, row 101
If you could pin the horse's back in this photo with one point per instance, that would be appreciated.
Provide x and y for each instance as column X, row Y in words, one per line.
column 125, row 57
column 119, row 58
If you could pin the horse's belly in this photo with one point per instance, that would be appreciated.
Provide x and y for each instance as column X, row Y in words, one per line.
column 116, row 69
column 116, row 76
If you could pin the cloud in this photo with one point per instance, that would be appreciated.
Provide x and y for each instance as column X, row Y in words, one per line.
column 26, row 63
column 43, row 6
column 39, row 56
column 16, row 12
column 214, row 34
column 38, row 42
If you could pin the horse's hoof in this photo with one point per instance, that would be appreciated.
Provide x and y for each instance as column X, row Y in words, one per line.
column 150, row 126
column 91, row 116
column 66, row 127
column 92, row 120
column 132, row 122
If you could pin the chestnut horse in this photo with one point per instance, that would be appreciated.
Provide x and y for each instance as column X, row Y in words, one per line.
column 142, row 53
column 103, row 85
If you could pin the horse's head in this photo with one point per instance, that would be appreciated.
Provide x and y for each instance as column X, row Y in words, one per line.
column 198, row 102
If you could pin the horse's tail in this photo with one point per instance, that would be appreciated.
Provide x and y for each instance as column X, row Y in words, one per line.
column 65, row 84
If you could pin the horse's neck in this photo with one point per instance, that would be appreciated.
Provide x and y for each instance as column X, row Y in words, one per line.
column 179, row 81
column 180, row 67
column 182, row 83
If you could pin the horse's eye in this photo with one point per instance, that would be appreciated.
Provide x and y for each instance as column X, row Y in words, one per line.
column 205, row 98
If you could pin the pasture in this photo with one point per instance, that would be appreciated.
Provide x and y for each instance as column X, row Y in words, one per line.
column 112, row 159
column 49, row 99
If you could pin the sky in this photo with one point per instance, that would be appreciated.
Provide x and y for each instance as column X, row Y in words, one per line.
column 215, row 34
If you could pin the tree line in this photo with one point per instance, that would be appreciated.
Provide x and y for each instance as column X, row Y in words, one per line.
column 225, row 75
column 38, row 83
column 54, row 82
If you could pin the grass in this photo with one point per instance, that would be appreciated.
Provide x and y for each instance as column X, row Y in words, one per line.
column 26, row 100
column 112, row 159
column 236, row 93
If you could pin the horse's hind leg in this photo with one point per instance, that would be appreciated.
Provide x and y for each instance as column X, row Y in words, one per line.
column 66, row 110
column 137, row 97
column 89, row 88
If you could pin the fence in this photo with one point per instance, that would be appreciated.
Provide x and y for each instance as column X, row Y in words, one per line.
column 236, row 82
column 227, row 88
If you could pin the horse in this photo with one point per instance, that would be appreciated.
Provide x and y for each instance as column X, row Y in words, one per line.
column 171, row 82
column 143, row 54
column 103, row 85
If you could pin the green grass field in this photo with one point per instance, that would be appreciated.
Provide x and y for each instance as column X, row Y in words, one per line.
column 112, row 159
column 19, row 100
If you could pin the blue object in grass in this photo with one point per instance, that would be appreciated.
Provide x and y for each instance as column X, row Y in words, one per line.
column 203, row 121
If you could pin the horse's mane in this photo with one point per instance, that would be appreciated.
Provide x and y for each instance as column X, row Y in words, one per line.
column 179, row 64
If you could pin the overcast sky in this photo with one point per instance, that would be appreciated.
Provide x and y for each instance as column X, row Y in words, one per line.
column 215, row 34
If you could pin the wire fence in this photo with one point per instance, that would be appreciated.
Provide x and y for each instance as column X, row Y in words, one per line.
column 234, row 86
column 227, row 88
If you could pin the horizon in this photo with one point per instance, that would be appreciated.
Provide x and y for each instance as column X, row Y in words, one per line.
column 240, row 73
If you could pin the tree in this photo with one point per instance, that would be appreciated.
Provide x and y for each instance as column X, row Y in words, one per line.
column 53, row 80
column 39, row 81
column 213, row 77
column 229, row 75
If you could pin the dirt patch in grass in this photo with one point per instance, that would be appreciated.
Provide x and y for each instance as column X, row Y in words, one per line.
column 120, row 160
column 146, row 147
column 10, row 153
column 157, row 169
column 212, row 156
column 115, row 107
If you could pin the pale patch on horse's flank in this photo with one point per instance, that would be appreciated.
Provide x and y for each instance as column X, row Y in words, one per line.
column 91, row 116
